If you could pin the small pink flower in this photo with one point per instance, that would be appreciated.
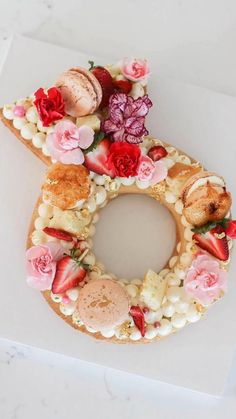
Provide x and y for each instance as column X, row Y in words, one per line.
column 205, row 280
column 135, row 69
column 146, row 168
column 41, row 265
column 19, row 111
column 149, row 170
column 67, row 140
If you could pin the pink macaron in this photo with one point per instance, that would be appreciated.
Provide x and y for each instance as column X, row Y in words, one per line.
column 103, row 304
column 81, row 91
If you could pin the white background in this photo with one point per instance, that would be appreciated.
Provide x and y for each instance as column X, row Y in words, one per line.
column 192, row 41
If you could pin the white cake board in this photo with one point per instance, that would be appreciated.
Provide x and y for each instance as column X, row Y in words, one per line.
column 199, row 121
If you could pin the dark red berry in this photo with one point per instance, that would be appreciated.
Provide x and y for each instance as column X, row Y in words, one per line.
column 157, row 152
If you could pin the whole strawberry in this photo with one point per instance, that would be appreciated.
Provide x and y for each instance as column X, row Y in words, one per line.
column 123, row 86
column 157, row 152
column 105, row 80
column 231, row 229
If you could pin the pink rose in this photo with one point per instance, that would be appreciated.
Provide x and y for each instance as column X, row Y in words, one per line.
column 205, row 280
column 149, row 170
column 67, row 140
column 41, row 265
column 135, row 69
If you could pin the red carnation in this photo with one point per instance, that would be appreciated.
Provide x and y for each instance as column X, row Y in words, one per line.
column 231, row 229
column 124, row 159
column 50, row 105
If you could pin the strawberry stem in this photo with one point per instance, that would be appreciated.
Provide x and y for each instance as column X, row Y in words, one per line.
column 91, row 63
column 77, row 257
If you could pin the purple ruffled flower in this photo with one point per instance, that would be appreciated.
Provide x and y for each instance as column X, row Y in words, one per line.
column 127, row 117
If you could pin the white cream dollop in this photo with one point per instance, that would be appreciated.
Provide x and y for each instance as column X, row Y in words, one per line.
column 8, row 112
column 19, row 122
column 32, row 115
column 28, row 131
column 165, row 328
column 178, row 320
column 38, row 139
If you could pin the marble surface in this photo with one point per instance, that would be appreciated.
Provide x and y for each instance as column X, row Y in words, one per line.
column 36, row 384
column 193, row 41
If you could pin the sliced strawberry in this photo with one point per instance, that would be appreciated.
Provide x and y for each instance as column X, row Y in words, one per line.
column 157, row 152
column 138, row 317
column 59, row 234
column 69, row 273
column 231, row 229
column 123, row 86
column 105, row 80
column 214, row 241
column 96, row 160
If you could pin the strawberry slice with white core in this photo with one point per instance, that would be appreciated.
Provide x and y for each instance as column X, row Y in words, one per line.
column 214, row 242
column 69, row 273
column 96, row 160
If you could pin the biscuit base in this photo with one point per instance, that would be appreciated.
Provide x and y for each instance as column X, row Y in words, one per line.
column 68, row 319
column 123, row 190
column 28, row 143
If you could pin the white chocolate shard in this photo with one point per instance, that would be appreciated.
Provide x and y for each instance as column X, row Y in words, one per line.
column 153, row 290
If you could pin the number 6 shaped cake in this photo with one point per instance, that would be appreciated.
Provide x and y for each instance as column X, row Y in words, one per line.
column 89, row 129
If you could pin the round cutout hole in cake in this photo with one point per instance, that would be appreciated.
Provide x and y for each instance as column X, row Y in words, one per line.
column 134, row 233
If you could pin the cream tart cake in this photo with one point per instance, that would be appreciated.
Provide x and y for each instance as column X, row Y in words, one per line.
column 89, row 129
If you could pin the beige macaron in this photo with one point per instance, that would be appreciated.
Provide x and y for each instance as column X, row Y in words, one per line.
column 180, row 173
column 81, row 91
column 103, row 304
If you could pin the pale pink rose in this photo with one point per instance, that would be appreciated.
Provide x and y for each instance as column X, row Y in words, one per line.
column 205, row 280
column 149, row 170
column 41, row 265
column 67, row 140
column 135, row 69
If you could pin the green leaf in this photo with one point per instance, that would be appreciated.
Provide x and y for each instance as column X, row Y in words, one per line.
column 224, row 222
column 98, row 137
column 203, row 229
column 209, row 226
column 91, row 63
